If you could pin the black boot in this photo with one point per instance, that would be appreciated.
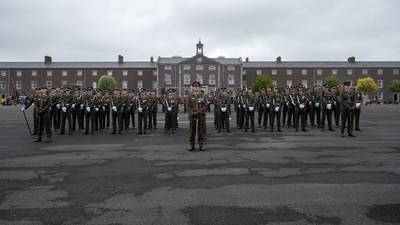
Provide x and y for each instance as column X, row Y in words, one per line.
column 191, row 148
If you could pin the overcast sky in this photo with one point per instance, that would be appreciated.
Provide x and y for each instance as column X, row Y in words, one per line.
column 99, row 30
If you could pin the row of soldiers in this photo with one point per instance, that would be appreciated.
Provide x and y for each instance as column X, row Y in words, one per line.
column 94, row 110
column 292, row 107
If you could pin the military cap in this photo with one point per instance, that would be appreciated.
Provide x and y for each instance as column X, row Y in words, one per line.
column 346, row 83
column 196, row 83
column 171, row 90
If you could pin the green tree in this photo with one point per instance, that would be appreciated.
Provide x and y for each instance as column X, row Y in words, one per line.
column 332, row 81
column 367, row 85
column 107, row 82
column 262, row 82
column 394, row 87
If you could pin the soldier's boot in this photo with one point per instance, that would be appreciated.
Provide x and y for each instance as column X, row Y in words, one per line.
column 202, row 147
column 39, row 139
column 191, row 147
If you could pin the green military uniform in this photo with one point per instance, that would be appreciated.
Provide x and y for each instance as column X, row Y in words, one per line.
column 327, row 100
column 42, row 105
column 169, row 103
column 300, row 113
column 197, row 104
column 275, row 111
column 357, row 110
column 249, row 106
column 347, row 107
column 89, row 106
column 67, row 100
column 223, row 104
column 142, row 104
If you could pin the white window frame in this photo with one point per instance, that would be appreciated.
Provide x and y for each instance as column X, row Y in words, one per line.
column 124, row 84
column 231, row 79
column 211, row 79
column 3, row 73
column 334, row 72
column 274, row 72
column 49, row 84
column 79, row 73
column 186, row 67
column 186, row 79
column 64, row 83
column 304, row 72
column 125, row 73
column 109, row 72
column 94, row 73
column 34, row 73
column 319, row 72
column 168, row 79
column 364, row 71
column 275, row 83
column 199, row 78
column 64, row 73
column 94, row 84
column 3, row 84
column 49, row 73
column 379, row 72
column 18, row 84
column 212, row 67
column 349, row 71
column 396, row 71
column 231, row 68
column 155, row 84
column 79, row 83
column 167, row 67
column 155, row 73
column 139, row 84
column 304, row 83
column 289, row 83
column 379, row 95
column 199, row 67
column 258, row 72
column 140, row 73
column 19, row 73
column 380, row 84
column 33, row 84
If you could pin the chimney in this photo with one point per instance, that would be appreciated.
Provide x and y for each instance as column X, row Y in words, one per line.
column 47, row 59
column 247, row 59
column 151, row 59
column 120, row 59
column 278, row 59
column 351, row 59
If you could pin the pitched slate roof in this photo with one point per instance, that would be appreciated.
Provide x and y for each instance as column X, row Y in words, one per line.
column 322, row 64
column 66, row 65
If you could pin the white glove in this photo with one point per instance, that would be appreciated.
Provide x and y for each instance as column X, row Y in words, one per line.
column 58, row 106
column 73, row 106
column 114, row 108
column 64, row 109
column 88, row 109
column 23, row 109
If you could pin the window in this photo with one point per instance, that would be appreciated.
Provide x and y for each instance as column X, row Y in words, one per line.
column 109, row 72
column 94, row 72
column 380, row 95
column 186, row 78
column 3, row 84
column 125, row 73
column 231, row 68
column 199, row 67
column 244, row 72
column 79, row 73
column 334, row 71
column 19, row 73
column 380, row 71
column 212, row 67
column 364, row 71
column 64, row 73
column 289, row 72
column 186, row 91
column 258, row 72
column 168, row 79
column 64, row 83
column 274, row 72
column 34, row 73
column 275, row 83
column 3, row 73
column 167, row 67
column 124, row 84
column 351, row 82
column 319, row 83
column 79, row 83
column 49, row 73
column 186, row 67
column 155, row 73
column 94, row 84
column 231, row 79
column 140, row 72
column 289, row 83
column 349, row 71
column 319, row 72
column 49, row 84
column 395, row 71
column 380, row 83
column 155, row 85
column 211, row 79
column 139, row 84
column 304, row 83
column 304, row 72
column 199, row 78
column 33, row 84
column 19, row 85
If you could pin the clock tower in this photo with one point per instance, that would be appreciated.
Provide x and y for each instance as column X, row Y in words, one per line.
column 199, row 48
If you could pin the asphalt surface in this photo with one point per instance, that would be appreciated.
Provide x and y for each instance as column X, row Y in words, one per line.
column 242, row 179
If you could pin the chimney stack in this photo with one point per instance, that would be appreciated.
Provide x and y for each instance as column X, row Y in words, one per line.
column 120, row 59
column 151, row 59
column 351, row 59
column 247, row 59
column 278, row 59
column 47, row 59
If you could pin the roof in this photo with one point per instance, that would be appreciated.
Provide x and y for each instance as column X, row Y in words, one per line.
column 322, row 64
column 66, row 65
column 221, row 60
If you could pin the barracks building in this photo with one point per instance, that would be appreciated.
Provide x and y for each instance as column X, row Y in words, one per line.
column 179, row 72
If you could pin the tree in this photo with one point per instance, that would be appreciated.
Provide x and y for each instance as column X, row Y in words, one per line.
column 332, row 81
column 107, row 82
column 394, row 87
column 367, row 85
column 262, row 82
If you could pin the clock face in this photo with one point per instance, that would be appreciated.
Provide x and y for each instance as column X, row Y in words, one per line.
column 199, row 60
